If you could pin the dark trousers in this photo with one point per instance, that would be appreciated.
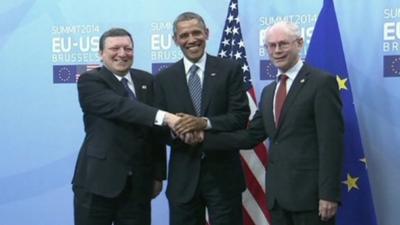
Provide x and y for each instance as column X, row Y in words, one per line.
column 223, row 208
column 128, row 208
column 281, row 216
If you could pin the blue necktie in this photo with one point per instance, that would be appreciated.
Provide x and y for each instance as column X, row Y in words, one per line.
column 195, row 88
column 124, row 82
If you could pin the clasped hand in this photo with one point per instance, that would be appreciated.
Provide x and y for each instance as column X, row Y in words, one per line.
column 189, row 129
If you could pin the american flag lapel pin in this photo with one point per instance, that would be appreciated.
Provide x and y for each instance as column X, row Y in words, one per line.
column 144, row 87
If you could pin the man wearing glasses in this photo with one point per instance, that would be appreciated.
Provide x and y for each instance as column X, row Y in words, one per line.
column 301, row 115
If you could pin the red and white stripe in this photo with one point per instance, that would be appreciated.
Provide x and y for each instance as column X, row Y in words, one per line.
column 255, row 209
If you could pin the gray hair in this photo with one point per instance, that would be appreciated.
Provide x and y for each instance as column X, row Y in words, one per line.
column 291, row 28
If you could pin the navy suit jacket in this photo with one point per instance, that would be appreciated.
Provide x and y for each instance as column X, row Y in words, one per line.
column 306, row 150
column 119, row 138
column 225, row 104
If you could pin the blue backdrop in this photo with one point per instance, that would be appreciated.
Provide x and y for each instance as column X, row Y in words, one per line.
column 43, row 44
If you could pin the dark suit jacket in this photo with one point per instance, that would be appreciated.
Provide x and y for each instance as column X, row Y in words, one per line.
column 306, row 150
column 118, row 134
column 224, row 102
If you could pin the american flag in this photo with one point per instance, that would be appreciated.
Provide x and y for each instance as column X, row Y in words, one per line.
column 255, row 211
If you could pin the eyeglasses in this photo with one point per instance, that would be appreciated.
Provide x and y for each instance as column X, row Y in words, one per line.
column 282, row 45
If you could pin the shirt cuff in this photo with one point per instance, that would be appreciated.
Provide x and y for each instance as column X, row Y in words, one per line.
column 159, row 120
column 208, row 123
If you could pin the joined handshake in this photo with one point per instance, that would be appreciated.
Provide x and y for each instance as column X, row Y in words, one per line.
column 190, row 129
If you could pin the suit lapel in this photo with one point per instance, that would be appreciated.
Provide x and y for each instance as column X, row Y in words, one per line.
column 266, row 107
column 210, row 73
column 109, row 77
column 140, row 87
column 296, row 87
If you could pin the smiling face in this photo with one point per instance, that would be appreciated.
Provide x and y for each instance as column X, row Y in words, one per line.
column 191, row 37
column 283, row 47
column 117, row 54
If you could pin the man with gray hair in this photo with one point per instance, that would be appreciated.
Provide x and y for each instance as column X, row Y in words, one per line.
column 301, row 115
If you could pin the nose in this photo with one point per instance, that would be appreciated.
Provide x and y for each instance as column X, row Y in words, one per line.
column 122, row 51
column 191, row 38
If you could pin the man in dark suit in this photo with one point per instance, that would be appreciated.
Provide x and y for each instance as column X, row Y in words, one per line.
column 305, row 129
column 120, row 166
column 197, row 179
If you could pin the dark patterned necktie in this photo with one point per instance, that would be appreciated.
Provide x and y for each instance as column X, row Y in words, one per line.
column 280, row 98
column 195, row 88
column 124, row 82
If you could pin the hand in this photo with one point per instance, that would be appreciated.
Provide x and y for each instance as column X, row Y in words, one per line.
column 157, row 188
column 193, row 138
column 171, row 119
column 327, row 209
column 189, row 123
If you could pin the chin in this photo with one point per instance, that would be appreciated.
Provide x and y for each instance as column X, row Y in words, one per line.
column 194, row 58
column 281, row 65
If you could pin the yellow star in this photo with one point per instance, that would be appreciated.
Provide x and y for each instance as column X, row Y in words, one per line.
column 341, row 82
column 364, row 160
column 351, row 182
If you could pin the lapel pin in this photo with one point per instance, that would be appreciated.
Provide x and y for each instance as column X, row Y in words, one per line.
column 213, row 74
column 302, row 80
column 144, row 87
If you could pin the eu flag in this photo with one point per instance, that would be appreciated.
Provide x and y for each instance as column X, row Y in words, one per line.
column 391, row 66
column 267, row 70
column 157, row 67
column 326, row 52
column 64, row 74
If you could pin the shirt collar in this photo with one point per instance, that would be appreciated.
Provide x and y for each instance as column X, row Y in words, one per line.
column 127, row 76
column 201, row 63
column 292, row 72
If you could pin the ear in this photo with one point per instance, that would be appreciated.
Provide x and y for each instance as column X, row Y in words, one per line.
column 300, row 41
column 207, row 33
column 175, row 40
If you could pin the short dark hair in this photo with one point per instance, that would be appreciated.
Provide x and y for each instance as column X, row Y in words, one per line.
column 188, row 16
column 113, row 32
